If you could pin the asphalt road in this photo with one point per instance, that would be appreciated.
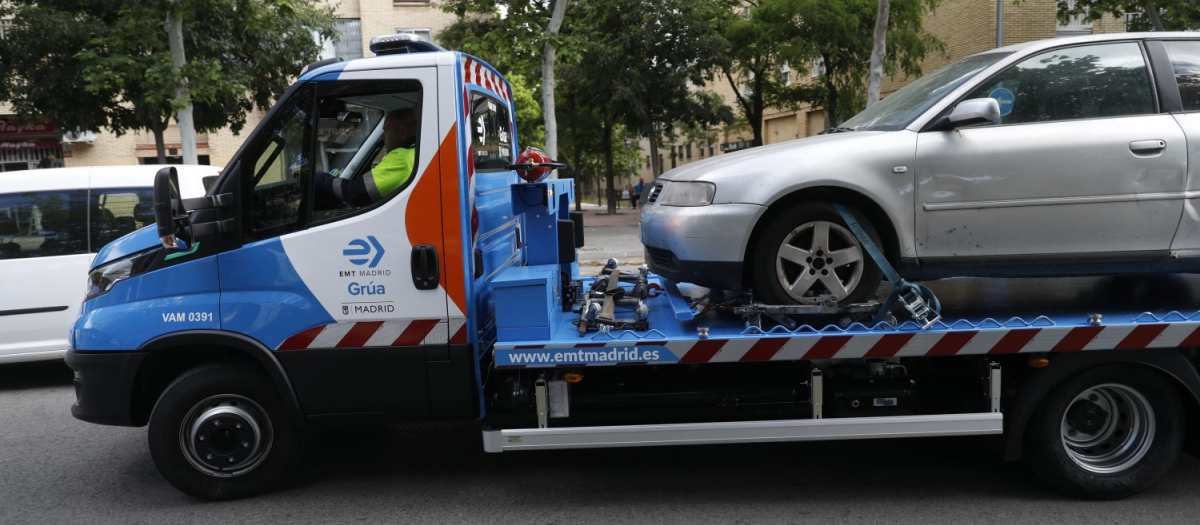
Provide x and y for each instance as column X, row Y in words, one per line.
column 54, row 469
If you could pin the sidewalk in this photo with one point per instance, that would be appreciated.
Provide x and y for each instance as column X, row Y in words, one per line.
column 598, row 216
column 608, row 236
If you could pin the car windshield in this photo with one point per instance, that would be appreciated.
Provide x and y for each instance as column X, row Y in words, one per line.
column 905, row 105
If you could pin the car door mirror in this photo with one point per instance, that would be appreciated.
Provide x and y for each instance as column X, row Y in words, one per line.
column 974, row 111
column 170, row 217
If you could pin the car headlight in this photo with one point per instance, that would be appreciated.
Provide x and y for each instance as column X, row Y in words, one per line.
column 103, row 278
column 676, row 193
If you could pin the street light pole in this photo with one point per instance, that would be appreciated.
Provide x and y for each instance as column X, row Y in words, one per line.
column 187, row 126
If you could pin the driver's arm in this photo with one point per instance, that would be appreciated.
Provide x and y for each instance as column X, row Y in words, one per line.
column 352, row 192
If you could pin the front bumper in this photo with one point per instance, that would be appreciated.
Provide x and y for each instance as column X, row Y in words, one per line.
column 702, row 245
column 104, row 384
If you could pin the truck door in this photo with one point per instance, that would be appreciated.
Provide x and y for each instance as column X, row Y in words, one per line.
column 343, row 279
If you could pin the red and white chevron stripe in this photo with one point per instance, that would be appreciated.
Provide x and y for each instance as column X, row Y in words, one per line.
column 405, row 332
column 482, row 76
column 989, row 341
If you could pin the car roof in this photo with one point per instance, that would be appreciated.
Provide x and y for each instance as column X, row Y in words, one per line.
column 136, row 175
column 1038, row 45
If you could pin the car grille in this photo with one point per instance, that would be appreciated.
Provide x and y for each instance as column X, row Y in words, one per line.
column 654, row 192
column 662, row 259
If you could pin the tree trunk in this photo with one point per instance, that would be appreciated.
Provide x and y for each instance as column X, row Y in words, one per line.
column 759, row 109
column 160, row 145
column 878, row 52
column 611, row 195
column 1151, row 8
column 187, row 126
column 655, row 167
column 556, row 19
column 831, row 95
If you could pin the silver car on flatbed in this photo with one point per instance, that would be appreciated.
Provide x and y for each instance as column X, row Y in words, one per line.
column 1070, row 156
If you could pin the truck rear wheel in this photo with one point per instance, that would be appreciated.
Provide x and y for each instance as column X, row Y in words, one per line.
column 220, row 432
column 1108, row 432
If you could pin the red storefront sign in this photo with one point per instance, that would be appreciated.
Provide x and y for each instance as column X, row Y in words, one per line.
column 16, row 128
column 9, row 145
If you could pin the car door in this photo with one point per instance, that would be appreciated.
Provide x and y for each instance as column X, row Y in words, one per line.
column 44, row 260
column 1184, row 59
column 334, row 288
column 1080, row 165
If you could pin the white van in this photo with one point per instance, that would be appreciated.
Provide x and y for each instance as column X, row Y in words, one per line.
column 52, row 223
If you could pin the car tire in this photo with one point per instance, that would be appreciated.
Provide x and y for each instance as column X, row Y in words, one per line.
column 1076, row 445
column 220, row 432
column 770, row 267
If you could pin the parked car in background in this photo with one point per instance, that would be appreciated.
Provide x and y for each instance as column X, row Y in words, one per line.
column 1071, row 156
column 52, row 222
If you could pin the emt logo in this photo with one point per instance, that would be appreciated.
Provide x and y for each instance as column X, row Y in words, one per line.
column 360, row 252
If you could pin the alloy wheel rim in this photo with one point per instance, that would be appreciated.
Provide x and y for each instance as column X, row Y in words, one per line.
column 818, row 258
column 226, row 436
column 1108, row 428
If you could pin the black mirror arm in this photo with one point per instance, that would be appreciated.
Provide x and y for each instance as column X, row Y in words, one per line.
column 531, row 165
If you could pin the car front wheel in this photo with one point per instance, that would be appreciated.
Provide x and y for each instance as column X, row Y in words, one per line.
column 808, row 251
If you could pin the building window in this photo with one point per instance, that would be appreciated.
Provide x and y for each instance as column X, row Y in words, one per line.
column 785, row 74
column 710, row 150
column 689, row 151
column 647, row 162
column 818, row 66
column 5, row 27
column 347, row 42
column 730, row 147
column 425, row 34
column 1077, row 24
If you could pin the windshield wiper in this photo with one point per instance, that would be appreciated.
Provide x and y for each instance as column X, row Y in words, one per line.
column 835, row 129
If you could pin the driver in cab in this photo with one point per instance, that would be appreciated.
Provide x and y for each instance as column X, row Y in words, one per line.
column 396, row 167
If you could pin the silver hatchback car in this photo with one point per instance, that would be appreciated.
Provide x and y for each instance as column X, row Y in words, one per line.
column 1070, row 156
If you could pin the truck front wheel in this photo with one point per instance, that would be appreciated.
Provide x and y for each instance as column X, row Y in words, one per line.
column 220, row 432
column 1107, row 433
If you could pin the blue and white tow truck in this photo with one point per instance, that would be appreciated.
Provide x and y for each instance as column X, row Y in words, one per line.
column 270, row 308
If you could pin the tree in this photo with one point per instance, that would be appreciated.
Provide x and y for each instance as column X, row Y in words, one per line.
column 548, row 54
column 839, row 35
column 90, row 64
column 529, row 123
column 1154, row 15
column 758, row 44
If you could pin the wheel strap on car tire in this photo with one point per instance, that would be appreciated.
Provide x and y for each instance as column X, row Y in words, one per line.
column 920, row 301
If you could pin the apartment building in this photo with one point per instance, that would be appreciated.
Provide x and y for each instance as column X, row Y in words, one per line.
column 965, row 27
column 24, row 144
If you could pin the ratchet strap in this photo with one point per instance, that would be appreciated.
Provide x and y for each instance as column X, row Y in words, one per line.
column 918, row 300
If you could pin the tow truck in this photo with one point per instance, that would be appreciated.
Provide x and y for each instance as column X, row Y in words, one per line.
column 246, row 320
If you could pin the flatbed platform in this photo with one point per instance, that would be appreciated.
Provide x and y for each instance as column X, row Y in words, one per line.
column 980, row 316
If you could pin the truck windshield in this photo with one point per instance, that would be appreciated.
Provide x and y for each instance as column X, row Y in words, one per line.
column 902, row 107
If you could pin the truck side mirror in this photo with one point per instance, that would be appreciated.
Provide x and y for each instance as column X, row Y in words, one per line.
column 974, row 111
column 169, row 213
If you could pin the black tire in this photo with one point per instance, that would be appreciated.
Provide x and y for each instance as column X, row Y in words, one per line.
column 1050, row 456
column 278, row 444
column 763, row 261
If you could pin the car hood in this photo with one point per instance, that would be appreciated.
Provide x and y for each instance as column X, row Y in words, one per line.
column 132, row 242
column 765, row 158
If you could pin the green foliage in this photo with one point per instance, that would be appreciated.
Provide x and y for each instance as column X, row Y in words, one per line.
column 1173, row 15
column 531, row 131
column 840, row 34
column 89, row 64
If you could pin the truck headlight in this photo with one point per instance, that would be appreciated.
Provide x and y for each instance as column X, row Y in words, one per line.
column 103, row 278
column 687, row 194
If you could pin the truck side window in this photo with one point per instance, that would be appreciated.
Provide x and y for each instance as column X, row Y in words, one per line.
column 491, row 134
column 1096, row 81
column 43, row 224
column 280, row 166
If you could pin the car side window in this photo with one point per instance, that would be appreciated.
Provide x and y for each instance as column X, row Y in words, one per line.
column 43, row 224
column 118, row 211
column 1084, row 82
column 280, row 166
column 1185, row 63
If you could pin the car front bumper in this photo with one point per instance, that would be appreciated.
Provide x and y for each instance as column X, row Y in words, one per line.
column 104, row 386
column 702, row 245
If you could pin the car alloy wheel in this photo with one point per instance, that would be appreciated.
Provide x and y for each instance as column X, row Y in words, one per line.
column 819, row 258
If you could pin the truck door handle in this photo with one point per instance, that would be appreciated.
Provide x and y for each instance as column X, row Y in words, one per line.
column 425, row 269
column 1147, row 146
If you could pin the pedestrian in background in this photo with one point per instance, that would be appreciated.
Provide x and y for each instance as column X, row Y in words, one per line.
column 49, row 161
column 637, row 191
